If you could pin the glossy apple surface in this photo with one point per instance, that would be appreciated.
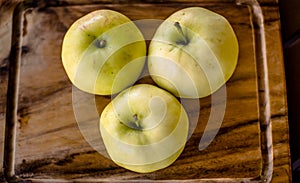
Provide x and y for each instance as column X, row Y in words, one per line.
column 193, row 53
column 144, row 128
column 96, row 48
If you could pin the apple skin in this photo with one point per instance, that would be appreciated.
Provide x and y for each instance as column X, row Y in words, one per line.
column 144, row 128
column 96, row 48
column 193, row 53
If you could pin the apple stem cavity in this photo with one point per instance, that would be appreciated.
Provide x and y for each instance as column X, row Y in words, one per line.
column 100, row 43
column 184, row 40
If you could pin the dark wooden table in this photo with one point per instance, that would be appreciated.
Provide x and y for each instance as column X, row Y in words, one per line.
column 50, row 145
column 290, row 30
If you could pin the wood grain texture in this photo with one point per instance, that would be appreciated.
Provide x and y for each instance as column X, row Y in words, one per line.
column 50, row 144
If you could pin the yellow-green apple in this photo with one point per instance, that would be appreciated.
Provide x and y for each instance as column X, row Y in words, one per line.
column 193, row 53
column 144, row 128
column 97, row 46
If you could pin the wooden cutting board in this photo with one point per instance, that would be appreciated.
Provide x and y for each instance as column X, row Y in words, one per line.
column 51, row 144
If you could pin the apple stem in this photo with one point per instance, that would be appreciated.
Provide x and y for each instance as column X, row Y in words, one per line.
column 135, row 117
column 136, row 122
column 100, row 43
column 185, row 40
